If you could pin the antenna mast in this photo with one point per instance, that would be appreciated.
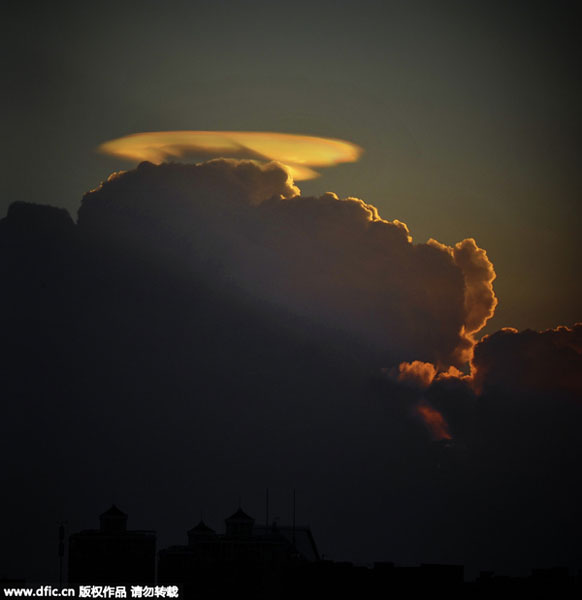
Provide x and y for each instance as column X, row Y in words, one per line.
column 266, row 511
column 293, row 538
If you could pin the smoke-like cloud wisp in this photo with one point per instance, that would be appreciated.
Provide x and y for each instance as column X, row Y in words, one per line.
column 434, row 421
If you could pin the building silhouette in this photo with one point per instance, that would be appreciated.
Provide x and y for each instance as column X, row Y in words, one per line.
column 268, row 561
column 112, row 553
column 247, row 559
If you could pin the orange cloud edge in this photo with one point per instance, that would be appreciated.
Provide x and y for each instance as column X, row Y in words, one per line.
column 298, row 153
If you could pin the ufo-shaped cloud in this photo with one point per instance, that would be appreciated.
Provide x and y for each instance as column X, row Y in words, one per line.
column 299, row 153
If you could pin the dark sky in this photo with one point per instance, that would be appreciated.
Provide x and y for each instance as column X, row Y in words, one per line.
column 194, row 338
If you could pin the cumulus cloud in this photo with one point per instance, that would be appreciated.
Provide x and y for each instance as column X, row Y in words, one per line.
column 508, row 368
column 532, row 361
column 480, row 300
column 511, row 364
column 209, row 323
column 336, row 261
column 417, row 372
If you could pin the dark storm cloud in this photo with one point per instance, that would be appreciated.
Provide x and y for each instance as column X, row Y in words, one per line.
column 545, row 365
column 509, row 442
column 204, row 332
column 530, row 360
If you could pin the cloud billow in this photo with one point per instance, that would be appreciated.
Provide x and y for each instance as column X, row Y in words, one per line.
column 336, row 261
column 545, row 361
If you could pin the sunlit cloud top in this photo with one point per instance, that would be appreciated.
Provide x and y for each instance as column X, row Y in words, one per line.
column 299, row 153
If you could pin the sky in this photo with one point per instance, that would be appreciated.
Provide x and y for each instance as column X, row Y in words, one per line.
column 469, row 118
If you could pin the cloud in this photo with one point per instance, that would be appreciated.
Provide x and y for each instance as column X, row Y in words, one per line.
column 335, row 261
column 208, row 323
column 417, row 372
column 297, row 152
column 416, row 377
column 36, row 222
column 534, row 361
column 526, row 372
column 434, row 421
column 480, row 300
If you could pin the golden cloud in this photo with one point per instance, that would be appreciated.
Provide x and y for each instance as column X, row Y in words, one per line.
column 299, row 153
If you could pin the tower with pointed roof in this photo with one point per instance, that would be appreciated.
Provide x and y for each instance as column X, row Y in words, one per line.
column 247, row 558
column 239, row 524
column 112, row 553
column 200, row 533
column 113, row 520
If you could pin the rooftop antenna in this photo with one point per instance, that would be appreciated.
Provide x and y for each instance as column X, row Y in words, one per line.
column 61, row 551
column 266, row 510
column 293, row 535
